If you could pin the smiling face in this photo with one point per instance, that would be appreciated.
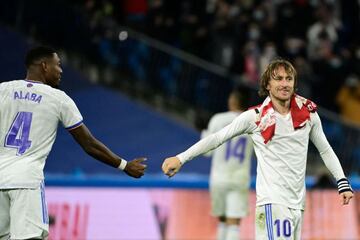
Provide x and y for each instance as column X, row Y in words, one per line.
column 279, row 80
column 281, row 84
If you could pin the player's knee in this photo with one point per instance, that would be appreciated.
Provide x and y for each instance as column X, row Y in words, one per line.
column 232, row 221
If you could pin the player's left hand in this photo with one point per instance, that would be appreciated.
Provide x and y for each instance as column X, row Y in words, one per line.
column 345, row 197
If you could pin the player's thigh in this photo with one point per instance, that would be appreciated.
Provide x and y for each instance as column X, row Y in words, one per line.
column 218, row 199
column 273, row 221
column 28, row 211
column 298, row 216
column 237, row 203
column 4, row 214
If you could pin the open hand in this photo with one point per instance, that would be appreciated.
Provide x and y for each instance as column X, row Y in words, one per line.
column 135, row 168
column 171, row 166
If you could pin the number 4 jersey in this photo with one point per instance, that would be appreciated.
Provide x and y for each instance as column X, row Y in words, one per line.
column 29, row 116
column 230, row 161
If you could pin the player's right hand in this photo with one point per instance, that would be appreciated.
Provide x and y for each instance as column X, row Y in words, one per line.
column 171, row 166
column 136, row 168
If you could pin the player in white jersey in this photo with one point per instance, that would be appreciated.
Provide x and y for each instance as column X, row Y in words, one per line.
column 30, row 111
column 280, row 128
column 230, row 171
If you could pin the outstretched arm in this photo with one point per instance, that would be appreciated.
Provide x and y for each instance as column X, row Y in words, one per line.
column 330, row 159
column 244, row 123
column 99, row 151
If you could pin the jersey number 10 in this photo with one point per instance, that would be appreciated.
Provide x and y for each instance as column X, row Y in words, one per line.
column 18, row 134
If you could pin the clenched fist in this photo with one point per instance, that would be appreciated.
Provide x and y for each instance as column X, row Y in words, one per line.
column 171, row 166
column 345, row 197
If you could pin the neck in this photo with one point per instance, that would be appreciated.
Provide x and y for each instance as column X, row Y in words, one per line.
column 282, row 107
column 33, row 76
column 235, row 109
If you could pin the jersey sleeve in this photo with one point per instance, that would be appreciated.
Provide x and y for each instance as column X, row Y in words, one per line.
column 70, row 115
column 327, row 154
column 212, row 127
column 2, row 90
column 244, row 123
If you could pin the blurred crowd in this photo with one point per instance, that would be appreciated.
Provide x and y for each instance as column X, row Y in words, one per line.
column 321, row 37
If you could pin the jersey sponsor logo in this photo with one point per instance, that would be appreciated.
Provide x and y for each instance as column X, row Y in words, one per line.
column 27, row 96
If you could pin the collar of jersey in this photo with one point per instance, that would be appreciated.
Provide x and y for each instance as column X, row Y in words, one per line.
column 33, row 81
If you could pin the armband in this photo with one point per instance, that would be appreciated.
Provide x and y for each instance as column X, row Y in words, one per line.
column 344, row 185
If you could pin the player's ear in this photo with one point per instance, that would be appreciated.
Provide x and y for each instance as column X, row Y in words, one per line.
column 44, row 66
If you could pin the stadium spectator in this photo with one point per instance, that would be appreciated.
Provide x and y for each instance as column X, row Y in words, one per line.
column 230, row 171
column 30, row 112
column 280, row 128
column 348, row 99
column 327, row 27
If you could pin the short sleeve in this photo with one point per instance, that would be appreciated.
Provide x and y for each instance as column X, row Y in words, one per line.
column 70, row 115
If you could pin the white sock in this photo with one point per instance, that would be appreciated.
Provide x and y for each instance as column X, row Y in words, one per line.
column 221, row 231
column 232, row 232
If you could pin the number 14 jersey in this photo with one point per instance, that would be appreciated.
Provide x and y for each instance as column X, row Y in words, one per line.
column 29, row 116
column 230, row 161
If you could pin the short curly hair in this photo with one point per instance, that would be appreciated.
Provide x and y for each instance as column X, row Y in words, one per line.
column 270, row 71
column 37, row 53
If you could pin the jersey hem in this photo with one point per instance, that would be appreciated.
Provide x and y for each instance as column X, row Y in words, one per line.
column 74, row 126
column 258, row 204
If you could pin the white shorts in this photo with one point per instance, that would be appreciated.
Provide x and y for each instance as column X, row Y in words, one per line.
column 229, row 202
column 23, row 214
column 274, row 221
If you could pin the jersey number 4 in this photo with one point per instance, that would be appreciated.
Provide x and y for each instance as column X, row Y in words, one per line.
column 18, row 134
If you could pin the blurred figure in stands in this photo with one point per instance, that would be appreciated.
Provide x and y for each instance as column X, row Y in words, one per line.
column 348, row 100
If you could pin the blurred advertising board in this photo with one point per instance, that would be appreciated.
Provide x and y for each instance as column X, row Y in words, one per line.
column 151, row 214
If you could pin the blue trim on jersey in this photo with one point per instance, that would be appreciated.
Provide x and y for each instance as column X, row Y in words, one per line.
column 268, row 219
column 74, row 126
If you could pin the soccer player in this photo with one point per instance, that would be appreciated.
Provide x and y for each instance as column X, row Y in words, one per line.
column 30, row 111
column 230, row 171
column 280, row 129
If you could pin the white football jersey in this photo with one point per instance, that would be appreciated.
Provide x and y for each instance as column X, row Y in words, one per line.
column 282, row 161
column 29, row 116
column 230, row 161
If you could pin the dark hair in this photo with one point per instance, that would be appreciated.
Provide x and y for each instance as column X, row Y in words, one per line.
column 269, row 72
column 242, row 97
column 37, row 53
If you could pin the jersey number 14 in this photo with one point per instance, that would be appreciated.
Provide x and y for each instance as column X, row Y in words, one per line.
column 18, row 134
column 236, row 149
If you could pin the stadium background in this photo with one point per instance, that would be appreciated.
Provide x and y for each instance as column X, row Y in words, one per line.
column 147, row 75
